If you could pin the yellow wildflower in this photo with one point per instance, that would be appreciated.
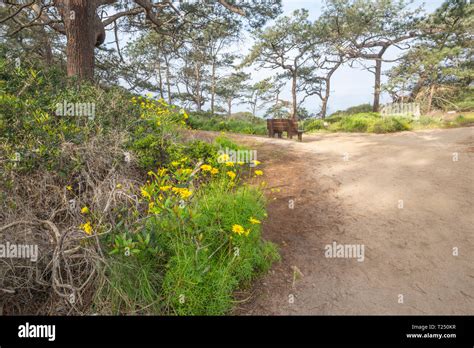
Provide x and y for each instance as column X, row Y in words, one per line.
column 223, row 158
column 238, row 229
column 240, row 163
column 214, row 171
column 183, row 192
column 162, row 171
column 254, row 221
column 206, row 168
column 229, row 164
column 256, row 163
column 231, row 175
column 186, row 171
column 165, row 188
column 87, row 228
column 69, row 188
column 85, row 210
column 258, row 173
column 175, row 163
column 119, row 186
column 145, row 193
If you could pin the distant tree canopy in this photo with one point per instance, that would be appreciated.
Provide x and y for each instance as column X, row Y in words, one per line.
column 439, row 65
column 189, row 52
column 84, row 23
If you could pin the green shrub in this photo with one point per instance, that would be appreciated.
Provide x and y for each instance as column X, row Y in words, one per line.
column 240, row 123
column 463, row 120
column 175, row 235
column 312, row 125
column 358, row 109
column 225, row 142
column 202, row 275
column 189, row 236
column 389, row 125
column 354, row 123
column 368, row 122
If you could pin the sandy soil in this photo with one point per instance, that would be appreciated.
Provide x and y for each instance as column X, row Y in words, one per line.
column 347, row 189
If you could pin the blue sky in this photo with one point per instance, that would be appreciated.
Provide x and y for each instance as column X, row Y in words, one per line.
column 350, row 86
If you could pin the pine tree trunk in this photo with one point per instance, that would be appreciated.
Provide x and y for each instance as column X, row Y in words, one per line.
column 160, row 80
column 198, row 87
column 81, row 31
column 213, row 87
column 378, row 85
column 430, row 97
column 168, row 82
column 324, row 106
column 294, row 94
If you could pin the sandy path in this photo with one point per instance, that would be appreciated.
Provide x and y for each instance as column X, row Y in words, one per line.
column 347, row 189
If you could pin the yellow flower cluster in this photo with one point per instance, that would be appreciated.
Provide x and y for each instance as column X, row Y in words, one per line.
column 231, row 175
column 238, row 229
column 208, row 168
column 254, row 221
column 145, row 193
column 87, row 228
column 162, row 172
column 223, row 158
column 182, row 191
column 186, row 171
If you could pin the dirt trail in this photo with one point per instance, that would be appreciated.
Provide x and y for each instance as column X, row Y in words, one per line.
column 347, row 189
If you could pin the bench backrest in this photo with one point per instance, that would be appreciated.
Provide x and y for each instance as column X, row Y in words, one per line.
column 282, row 125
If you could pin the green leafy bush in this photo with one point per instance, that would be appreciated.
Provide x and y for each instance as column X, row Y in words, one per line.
column 202, row 276
column 203, row 234
column 312, row 125
column 358, row 109
column 169, row 234
column 242, row 124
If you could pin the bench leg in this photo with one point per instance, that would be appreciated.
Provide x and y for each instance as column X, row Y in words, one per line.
column 290, row 135
column 300, row 137
column 280, row 135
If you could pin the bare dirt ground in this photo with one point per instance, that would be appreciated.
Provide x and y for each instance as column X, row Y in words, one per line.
column 347, row 189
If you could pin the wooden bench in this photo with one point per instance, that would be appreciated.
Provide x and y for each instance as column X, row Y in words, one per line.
column 278, row 126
